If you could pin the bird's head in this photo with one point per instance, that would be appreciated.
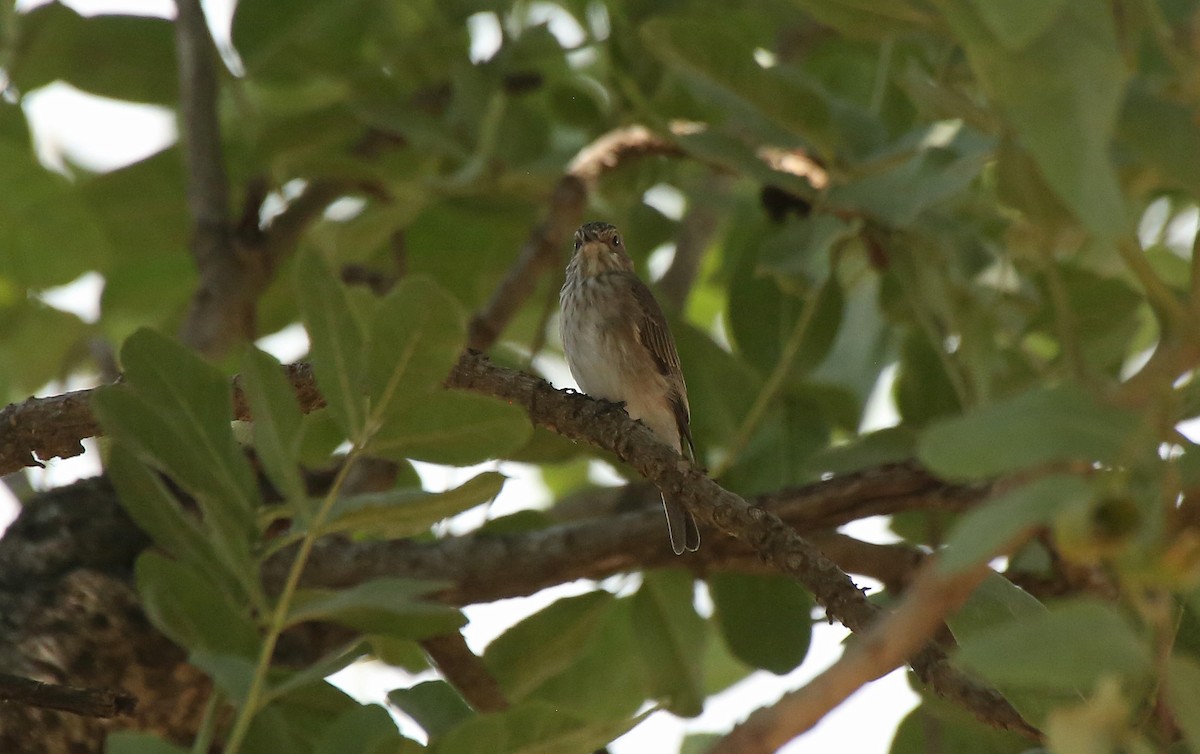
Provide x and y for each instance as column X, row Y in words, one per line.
column 599, row 248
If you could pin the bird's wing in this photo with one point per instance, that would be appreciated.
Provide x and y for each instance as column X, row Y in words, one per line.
column 650, row 325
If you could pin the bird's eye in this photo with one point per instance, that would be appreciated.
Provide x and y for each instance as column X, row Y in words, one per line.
column 616, row 241
column 578, row 243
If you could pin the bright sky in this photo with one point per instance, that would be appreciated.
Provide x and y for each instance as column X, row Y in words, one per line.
column 103, row 134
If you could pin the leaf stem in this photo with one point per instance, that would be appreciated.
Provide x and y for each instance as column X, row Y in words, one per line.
column 1068, row 327
column 773, row 385
column 1157, row 292
column 208, row 724
column 279, row 616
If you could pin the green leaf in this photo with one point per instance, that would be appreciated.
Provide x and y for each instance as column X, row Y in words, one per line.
column 400, row 513
column 157, row 512
column 1068, row 648
column 863, row 346
column 368, row 729
column 136, row 742
column 672, row 639
column 195, row 399
column 1105, row 315
column 891, row 445
column 546, row 643
column 453, row 428
column 766, row 620
column 468, row 242
column 1062, row 423
column 38, row 344
column 294, row 722
column 530, row 727
column 867, row 18
column 405, row 654
column 721, row 668
column 1162, row 134
column 416, row 337
column 721, row 55
column 721, row 386
column 231, row 674
column 395, row 607
column 801, row 251
column 1017, row 23
column 186, row 606
column 699, row 743
column 337, row 342
column 302, row 38
column 277, row 422
column 996, row 600
column 284, row 682
column 173, row 411
column 435, row 705
column 924, row 389
column 935, row 725
column 604, row 683
column 947, row 159
column 56, row 43
column 983, row 531
column 1183, row 692
column 40, row 211
column 1061, row 91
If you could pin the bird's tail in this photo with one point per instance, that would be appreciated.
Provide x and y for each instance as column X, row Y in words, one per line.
column 681, row 526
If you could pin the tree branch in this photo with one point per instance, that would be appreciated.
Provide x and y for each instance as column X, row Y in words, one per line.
column 77, row 701
column 607, row 426
column 220, row 312
column 488, row 567
column 880, row 649
column 463, row 669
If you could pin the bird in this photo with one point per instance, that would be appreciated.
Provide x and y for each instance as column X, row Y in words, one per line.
column 620, row 349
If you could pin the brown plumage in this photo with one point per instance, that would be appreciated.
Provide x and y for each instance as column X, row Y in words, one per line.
column 619, row 348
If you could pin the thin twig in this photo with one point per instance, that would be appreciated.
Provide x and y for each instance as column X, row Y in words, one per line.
column 207, row 184
column 1159, row 294
column 79, row 701
column 214, row 320
column 774, row 384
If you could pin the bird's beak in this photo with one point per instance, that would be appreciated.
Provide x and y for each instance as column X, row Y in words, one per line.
column 594, row 255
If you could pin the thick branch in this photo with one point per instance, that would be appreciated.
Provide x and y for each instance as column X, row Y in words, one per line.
column 485, row 568
column 67, row 563
column 607, row 426
column 45, row 428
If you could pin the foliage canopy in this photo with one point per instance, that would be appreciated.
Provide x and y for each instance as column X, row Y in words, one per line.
column 982, row 209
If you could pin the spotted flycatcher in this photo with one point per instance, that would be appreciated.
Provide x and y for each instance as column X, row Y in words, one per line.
column 620, row 349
